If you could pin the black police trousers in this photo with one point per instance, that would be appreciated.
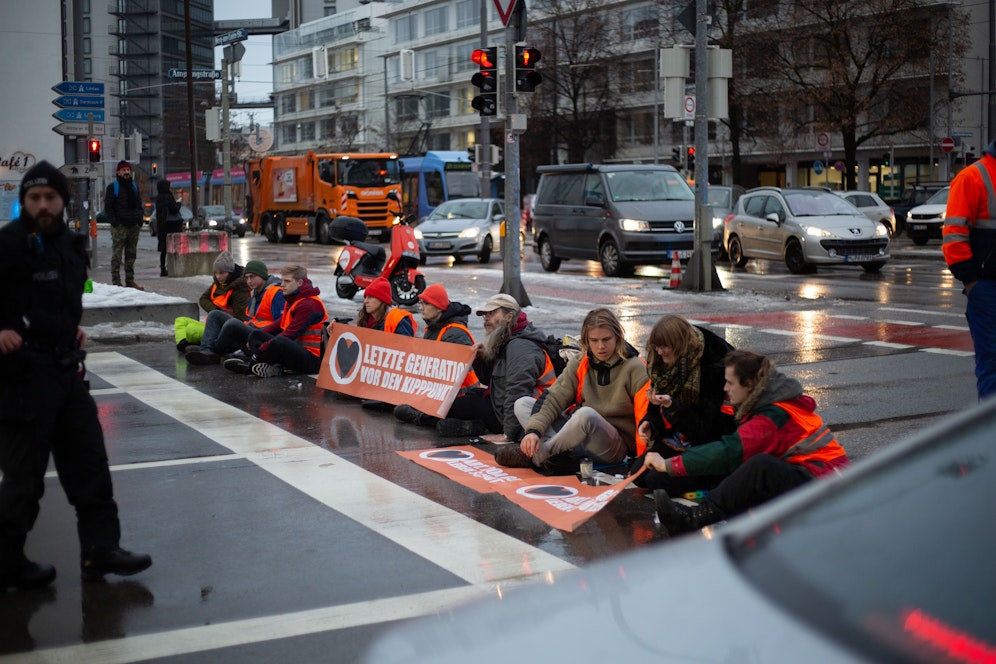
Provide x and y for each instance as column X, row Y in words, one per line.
column 58, row 418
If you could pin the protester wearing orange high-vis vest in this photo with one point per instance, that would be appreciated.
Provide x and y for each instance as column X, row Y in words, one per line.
column 688, row 404
column 970, row 251
column 603, row 395
column 294, row 342
column 445, row 321
column 780, row 443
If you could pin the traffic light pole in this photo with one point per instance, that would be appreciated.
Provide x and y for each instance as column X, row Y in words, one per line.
column 484, row 137
column 701, row 273
column 512, row 254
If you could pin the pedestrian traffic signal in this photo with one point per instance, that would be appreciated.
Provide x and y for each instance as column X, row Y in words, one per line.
column 94, row 149
column 691, row 158
column 676, row 154
column 486, row 79
column 526, row 76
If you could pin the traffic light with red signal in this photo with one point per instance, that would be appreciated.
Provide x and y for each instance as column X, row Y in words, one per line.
column 526, row 76
column 94, row 149
column 486, row 79
column 690, row 163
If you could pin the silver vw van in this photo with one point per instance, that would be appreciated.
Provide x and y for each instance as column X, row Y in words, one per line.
column 621, row 215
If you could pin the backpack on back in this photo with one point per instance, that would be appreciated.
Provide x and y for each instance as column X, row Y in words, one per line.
column 560, row 350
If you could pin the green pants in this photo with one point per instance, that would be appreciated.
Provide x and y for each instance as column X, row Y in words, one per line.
column 188, row 329
column 124, row 243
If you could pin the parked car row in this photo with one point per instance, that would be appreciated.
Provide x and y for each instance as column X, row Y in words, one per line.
column 208, row 217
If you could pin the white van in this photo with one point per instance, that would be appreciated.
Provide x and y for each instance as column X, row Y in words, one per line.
column 620, row 215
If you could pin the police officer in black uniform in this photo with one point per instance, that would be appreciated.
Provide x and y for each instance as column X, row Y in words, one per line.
column 45, row 406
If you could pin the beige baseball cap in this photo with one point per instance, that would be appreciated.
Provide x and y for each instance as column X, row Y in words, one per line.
column 500, row 301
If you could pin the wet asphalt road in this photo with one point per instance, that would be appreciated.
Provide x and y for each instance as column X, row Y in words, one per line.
column 284, row 525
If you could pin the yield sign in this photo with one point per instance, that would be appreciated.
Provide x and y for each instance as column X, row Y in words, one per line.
column 505, row 8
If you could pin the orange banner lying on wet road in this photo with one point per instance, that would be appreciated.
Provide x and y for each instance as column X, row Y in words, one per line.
column 393, row 368
column 563, row 502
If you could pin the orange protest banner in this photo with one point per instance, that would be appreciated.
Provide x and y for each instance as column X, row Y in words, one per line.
column 563, row 502
column 393, row 368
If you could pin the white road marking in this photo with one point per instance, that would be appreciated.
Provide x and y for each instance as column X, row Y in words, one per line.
column 486, row 559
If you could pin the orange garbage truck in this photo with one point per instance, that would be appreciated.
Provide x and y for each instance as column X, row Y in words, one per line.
column 295, row 198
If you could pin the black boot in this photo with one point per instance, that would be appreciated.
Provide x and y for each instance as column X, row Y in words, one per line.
column 680, row 518
column 95, row 563
column 26, row 574
column 163, row 272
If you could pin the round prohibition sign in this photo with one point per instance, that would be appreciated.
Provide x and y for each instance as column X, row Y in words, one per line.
column 823, row 140
column 689, row 104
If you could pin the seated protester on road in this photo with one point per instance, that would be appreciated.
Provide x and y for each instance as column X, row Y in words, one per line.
column 224, row 334
column 228, row 292
column 379, row 313
column 593, row 408
column 445, row 321
column 780, row 443
column 293, row 343
column 687, row 396
column 511, row 362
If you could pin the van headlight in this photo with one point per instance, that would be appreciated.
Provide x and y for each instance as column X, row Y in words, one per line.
column 634, row 225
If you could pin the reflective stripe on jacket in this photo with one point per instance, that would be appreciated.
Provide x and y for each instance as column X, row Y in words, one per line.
column 311, row 338
column 969, row 230
column 264, row 315
column 817, row 444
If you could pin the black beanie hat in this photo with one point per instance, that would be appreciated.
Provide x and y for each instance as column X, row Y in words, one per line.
column 44, row 173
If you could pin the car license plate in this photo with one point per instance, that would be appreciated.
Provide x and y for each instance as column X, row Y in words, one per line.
column 858, row 258
column 682, row 253
column 440, row 245
column 918, row 227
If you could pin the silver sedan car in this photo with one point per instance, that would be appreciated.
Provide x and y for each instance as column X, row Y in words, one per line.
column 462, row 227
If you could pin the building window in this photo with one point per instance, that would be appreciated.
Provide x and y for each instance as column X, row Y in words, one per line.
column 637, row 129
column 86, row 46
column 437, row 105
column 468, row 13
column 464, row 98
column 436, row 21
column 327, row 129
column 636, row 76
column 639, row 23
column 463, row 53
column 438, row 141
column 344, row 59
column 87, row 67
column 288, row 134
column 86, row 25
column 288, row 103
column 430, row 64
column 406, row 107
column 305, row 100
column 307, row 131
column 86, row 7
column 404, row 28
column 347, row 92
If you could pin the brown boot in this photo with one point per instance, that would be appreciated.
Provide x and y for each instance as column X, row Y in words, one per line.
column 132, row 284
column 512, row 456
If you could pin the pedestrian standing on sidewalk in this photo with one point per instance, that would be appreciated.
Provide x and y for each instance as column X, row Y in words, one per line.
column 45, row 404
column 168, row 220
column 969, row 248
column 123, row 205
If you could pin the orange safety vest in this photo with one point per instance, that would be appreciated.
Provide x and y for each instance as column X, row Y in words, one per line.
column 817, row 443
column 220, row 300
column 471, row 377
column 262, row 317
column 395, row 316
column 311, row 338
column 640, row 402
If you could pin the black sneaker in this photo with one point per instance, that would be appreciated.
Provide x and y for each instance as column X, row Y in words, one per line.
column 406, row 413
column 265, row 370
column 238, row 366
column 98, row 562
column 512, row 456
column 201, row 357
column 27, row 575
column 453, row 428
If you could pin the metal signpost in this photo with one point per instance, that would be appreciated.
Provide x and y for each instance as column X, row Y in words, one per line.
column 232, row 54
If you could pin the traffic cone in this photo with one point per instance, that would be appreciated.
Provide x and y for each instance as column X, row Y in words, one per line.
column 675, row 271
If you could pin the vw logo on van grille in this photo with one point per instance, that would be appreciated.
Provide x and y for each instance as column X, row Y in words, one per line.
column 679, row 227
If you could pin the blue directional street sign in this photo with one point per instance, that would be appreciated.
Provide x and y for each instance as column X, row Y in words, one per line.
column 79, row 101
column 79, row 88
column 817, row 167
column 78, row 115
column 233, row 36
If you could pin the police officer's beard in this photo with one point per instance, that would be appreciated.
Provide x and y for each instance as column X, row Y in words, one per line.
column 495, row 339
column 46, row 222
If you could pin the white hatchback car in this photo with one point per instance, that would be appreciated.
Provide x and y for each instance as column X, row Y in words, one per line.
column 872, row 207
column 805, row 228
column 925, row 222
